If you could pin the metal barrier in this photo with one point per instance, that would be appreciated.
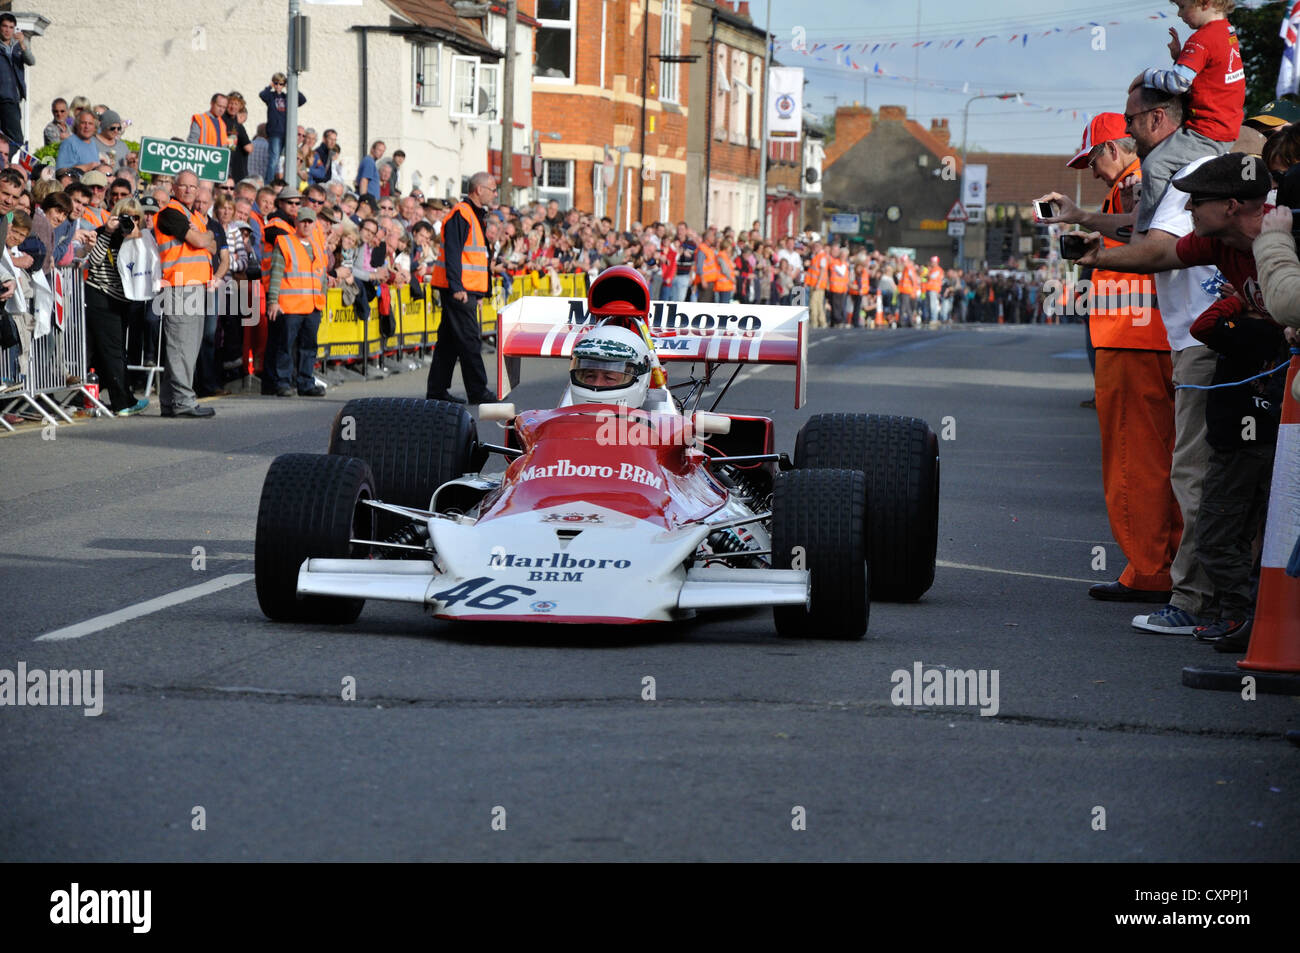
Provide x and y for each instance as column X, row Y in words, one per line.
column 56, row 361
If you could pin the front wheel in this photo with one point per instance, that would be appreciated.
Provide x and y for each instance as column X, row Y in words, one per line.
column 312, row 507
column 819, row 524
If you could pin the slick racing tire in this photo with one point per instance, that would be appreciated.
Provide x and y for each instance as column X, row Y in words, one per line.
column 413, row 446
column 311, row 507
column 900, row 457
column 819, row 524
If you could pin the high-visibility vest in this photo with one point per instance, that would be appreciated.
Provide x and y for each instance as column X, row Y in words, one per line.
column 707, row 260
column 93, row 217
column 839, row 277
column 301, row 289
column 1124, row 311
column 211, row 131
column 816, row 275
column 268, row 242
column 859, row 283
column 908, row 281
column 726, row 273
column 934, row 280
column 473, row 257
column 182, row 263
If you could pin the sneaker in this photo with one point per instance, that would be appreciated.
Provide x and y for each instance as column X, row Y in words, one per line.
column 135, row 408
column 1169, row 621
column 1221, row 629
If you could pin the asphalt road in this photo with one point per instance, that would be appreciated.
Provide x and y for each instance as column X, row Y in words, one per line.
column 207, row 704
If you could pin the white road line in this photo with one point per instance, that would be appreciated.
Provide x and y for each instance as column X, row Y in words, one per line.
column 1010, row 572
column 146, row 608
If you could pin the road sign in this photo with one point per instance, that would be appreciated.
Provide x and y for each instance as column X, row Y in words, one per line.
column 957, row 214
column 845, row 224
column 956, row 229
column 168, row 157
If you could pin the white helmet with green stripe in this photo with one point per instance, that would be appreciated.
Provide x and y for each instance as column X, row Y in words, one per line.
column 611, row 365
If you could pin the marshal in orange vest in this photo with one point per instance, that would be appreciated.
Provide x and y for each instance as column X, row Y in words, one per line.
column 302, row 289
column 212, row 132
column 182, row 263
column 1124, row 311
column 473, row 258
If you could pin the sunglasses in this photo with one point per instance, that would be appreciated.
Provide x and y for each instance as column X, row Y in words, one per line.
column 226, row 188
column 114, row 128
column 316, row 201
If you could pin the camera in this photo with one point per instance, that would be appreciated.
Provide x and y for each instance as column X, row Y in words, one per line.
column 127, row 223
column 1045, row 209
column 1073, row 246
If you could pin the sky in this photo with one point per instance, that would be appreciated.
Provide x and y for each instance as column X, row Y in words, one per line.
column 1061, row 71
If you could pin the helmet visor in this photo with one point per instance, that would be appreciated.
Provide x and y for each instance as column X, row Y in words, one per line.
column 597, row 374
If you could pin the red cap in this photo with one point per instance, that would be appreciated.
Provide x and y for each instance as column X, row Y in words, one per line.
column 1104, row 127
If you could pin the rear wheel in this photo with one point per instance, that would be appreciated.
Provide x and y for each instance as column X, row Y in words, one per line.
column 312, row 505
column 900, row 457
column 818, row 524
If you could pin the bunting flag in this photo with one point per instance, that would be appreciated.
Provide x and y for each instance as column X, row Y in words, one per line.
column 1022, row 35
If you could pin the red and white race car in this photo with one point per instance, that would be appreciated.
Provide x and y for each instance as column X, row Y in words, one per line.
column 607, row 515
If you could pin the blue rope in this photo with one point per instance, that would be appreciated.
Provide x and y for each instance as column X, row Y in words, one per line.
column 1281, row 367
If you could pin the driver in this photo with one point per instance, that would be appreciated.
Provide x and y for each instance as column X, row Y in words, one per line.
column 611, row 365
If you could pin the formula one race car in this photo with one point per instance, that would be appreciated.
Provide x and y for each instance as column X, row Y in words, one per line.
column 612, row 509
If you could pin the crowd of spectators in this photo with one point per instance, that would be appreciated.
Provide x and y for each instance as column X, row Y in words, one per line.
column 1193, row 309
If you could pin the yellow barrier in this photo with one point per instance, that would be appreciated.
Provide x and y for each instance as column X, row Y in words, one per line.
column 342, row 337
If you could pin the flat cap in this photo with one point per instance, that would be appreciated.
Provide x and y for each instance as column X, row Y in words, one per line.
column 287, row 193
column 1235, row 175
column 306, row 214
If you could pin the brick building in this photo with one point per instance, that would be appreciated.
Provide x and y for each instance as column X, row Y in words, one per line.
column 726, row 102
column 899, row 176
column 620, row 82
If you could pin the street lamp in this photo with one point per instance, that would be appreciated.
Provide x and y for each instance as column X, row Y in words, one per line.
column 537, row 155
column 965, row 122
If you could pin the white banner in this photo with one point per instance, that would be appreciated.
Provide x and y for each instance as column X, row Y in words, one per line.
column 973, row 186
column 785, row 102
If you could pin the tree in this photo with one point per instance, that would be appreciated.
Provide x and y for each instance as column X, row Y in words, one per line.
column 1258, row 30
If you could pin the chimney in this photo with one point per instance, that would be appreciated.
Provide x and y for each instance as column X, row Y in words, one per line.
column 743, row 9
column 893, row 112
column 852, row 123
column 939, row 129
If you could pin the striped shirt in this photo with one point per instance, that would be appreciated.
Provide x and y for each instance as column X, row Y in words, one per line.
column 102, row 274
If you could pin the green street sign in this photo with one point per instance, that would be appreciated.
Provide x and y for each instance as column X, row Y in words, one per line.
column 168, row 157
column 867, row 226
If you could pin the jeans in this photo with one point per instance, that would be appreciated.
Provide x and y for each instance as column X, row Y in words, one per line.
column 681, row 285
column 297, row 359
column 274, row 148
column 722, row 297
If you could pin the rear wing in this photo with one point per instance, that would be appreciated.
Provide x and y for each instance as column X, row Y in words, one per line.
column 680, row 330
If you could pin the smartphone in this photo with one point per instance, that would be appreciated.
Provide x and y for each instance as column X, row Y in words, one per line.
column 1045, row 209
column 1073, row 246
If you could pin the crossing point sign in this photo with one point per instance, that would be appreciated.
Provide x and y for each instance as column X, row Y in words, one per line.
column 169, row 157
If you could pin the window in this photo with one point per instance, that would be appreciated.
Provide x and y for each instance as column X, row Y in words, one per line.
column 464, row 76
column 739, row 96
column 557, row 182
column 665, row 202
column 554, row 60
column 670, row 33
column 426, row 73
column 475, row 88
column 720, row 90
column 489, row 85
column 756, row 100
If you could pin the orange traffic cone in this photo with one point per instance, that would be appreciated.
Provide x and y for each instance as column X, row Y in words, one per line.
column 1273, row 656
